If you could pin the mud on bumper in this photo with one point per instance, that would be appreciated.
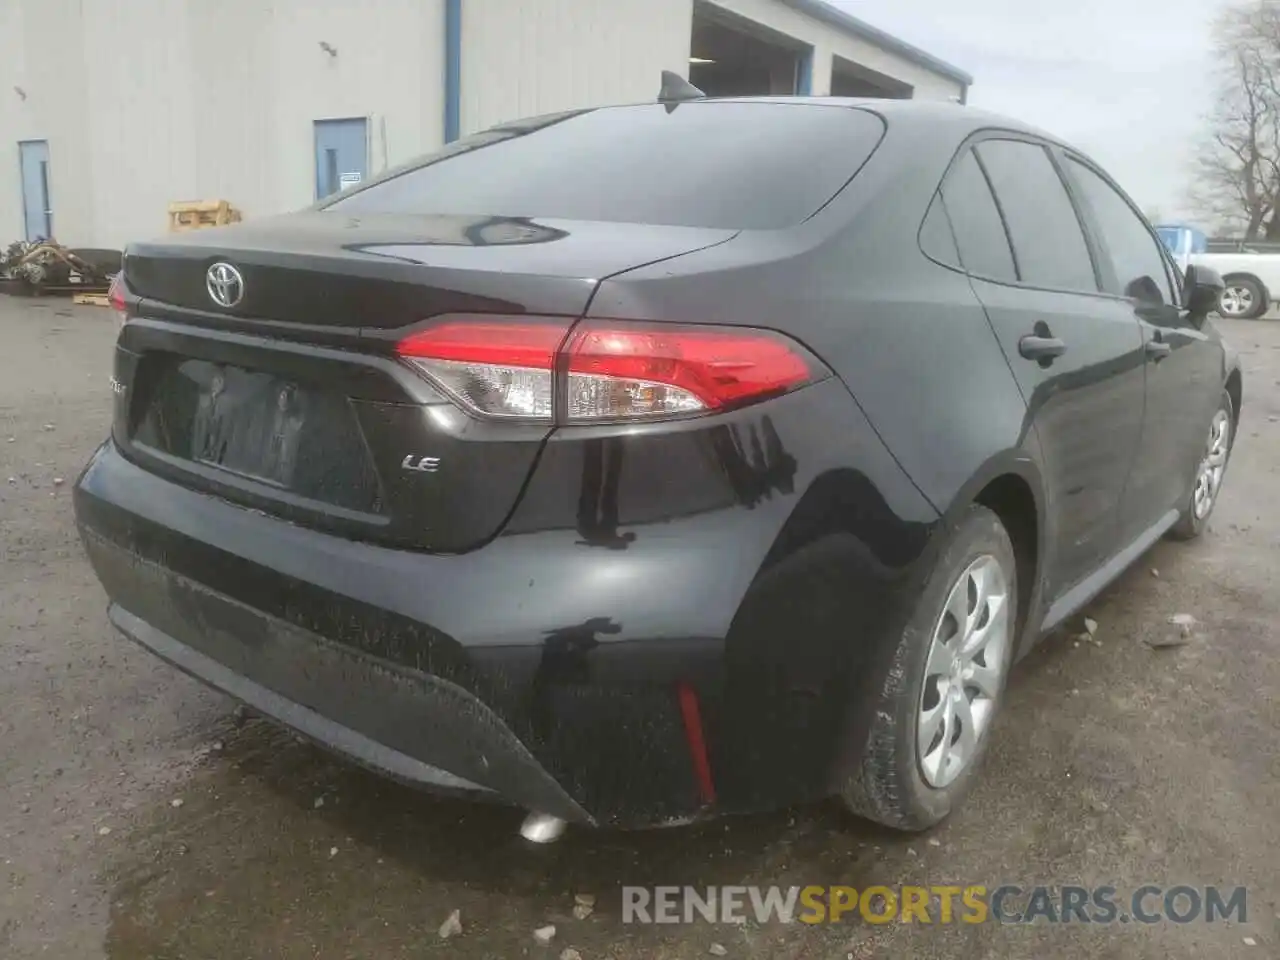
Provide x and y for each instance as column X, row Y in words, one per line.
column 417, row 728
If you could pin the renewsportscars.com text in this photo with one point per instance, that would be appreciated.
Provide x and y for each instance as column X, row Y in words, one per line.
column 940, row 904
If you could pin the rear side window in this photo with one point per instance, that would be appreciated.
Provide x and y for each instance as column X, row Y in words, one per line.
column 747, row 166
column 936, row 239
column 1134, row 253
column 1048, row 243
column 984, row 246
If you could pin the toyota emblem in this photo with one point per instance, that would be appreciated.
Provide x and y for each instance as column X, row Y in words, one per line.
column 225, row 285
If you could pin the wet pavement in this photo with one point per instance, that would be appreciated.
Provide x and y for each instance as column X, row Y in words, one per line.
column 141, row 817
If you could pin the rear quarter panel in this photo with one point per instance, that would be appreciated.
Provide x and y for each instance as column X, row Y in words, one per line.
column 912, row 347
column 907, row 336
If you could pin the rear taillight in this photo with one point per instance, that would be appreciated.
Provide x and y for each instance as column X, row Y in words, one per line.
column 494, row 369
column 116, row 298
column 606, row 370
column 620, row 370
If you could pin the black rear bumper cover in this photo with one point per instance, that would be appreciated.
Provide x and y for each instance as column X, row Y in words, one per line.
column 417, row 728
column 552, row 666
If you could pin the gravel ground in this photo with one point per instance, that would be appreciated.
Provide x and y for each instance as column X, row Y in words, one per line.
column 140, row 817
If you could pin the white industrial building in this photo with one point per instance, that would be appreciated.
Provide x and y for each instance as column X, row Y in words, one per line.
column 112, row 109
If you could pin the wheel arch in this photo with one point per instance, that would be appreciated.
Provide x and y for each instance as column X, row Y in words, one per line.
column 1235, row 389
column 1011, row 486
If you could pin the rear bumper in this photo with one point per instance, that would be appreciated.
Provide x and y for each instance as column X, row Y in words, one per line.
column 324, row 730
column 553, row 667
column 536, row 724
column 396, row 721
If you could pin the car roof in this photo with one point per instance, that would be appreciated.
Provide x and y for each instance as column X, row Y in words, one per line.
column 957, row 118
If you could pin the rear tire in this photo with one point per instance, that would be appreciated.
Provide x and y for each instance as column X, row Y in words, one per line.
column 901, row 780
column 1206, row 482
column 1243, row 298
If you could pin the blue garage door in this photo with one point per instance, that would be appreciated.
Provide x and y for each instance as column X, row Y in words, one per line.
column 37, row 210
column 342, row 156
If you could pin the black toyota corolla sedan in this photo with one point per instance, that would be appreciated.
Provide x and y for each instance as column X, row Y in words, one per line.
column 645, row 463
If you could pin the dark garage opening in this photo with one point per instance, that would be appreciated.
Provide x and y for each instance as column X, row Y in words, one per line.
column 730, row 56
column 849, row 79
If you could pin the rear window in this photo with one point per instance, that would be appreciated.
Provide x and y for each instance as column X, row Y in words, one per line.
column 744, row 166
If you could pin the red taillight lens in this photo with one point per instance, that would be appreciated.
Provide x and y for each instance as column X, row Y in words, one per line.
column 493, row 368
column 116, row 298
column 615, row 370
column 620, row 370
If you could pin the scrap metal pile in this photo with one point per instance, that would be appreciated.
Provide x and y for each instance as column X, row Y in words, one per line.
column 45, row 266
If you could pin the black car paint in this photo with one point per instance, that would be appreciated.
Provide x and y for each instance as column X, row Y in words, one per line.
column 353, row 287
column 716, row 565
column 767, row 557
column 326, row 276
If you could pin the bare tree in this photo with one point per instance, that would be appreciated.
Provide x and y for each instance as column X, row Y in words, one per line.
column 1238, row 168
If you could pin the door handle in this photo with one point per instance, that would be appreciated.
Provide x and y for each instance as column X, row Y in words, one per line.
column 1043, row 349
column 1157, row 350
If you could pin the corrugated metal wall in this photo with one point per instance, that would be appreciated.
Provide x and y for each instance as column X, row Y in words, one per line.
column 522, row 58
column 148, row 101
column 138, row 149
column 145, row 102
column 46, row 61
column 14, row 124
column 827, row 41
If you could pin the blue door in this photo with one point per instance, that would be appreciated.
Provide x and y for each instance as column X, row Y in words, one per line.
column 342, row 155
column 33, row 162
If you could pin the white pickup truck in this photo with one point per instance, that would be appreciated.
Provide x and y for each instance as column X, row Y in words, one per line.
column 1252, row 279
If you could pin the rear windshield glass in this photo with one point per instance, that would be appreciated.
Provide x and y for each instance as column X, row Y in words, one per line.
column 746, row 166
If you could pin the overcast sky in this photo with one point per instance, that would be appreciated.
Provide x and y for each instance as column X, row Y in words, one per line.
column 1126, row 81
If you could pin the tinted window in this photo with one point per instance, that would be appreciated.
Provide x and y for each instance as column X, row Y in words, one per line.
column 984, row 247
column 1139, row 266
column 1048, row 243
column 936, row 239
column 732, row 165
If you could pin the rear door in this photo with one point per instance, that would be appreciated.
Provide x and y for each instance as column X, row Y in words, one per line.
column 1075, row 352
column 1184, row 364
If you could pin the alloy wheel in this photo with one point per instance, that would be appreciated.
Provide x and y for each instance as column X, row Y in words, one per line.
column 1212, row 465
column 1236, row 301
column 964, row 671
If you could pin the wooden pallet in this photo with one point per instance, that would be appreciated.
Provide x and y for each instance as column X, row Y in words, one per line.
column 91, row 299
column 200, row 214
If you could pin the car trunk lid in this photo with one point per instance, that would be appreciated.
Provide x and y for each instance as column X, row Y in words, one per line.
column 291, row 400
column 381, row 272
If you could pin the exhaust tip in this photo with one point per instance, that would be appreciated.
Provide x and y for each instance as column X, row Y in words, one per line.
column 542, row 828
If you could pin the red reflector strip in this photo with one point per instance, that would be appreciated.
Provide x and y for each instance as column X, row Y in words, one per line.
column 692, row 718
